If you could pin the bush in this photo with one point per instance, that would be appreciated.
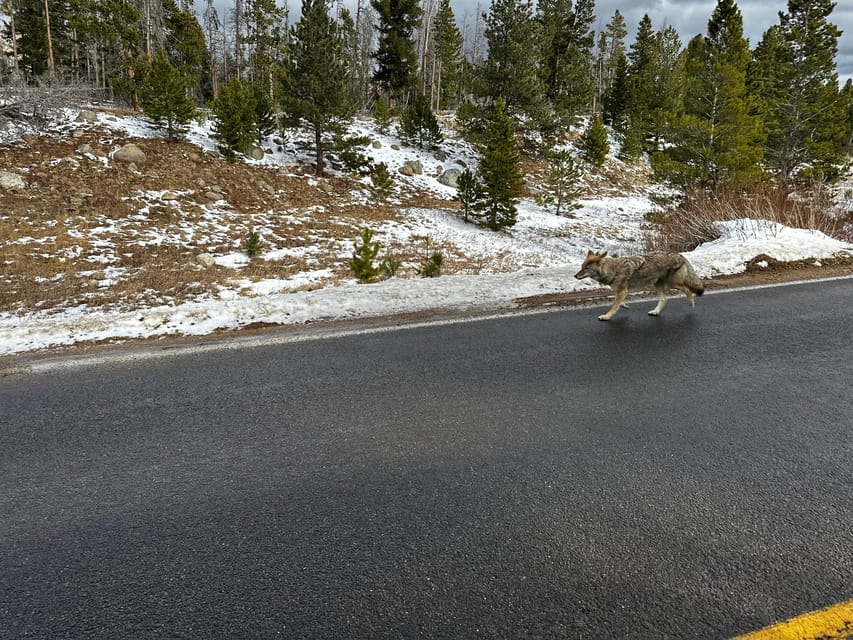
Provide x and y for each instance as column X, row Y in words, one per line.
column 692, row 222
column 431, row 266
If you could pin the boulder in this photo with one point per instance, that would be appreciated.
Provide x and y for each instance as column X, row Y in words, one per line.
column 412, row 168
column 206, row 260
column 87, row 116
column 130, row 153
column 12, row 181
column 450, row 178
column 256, row 153
column 83, row 149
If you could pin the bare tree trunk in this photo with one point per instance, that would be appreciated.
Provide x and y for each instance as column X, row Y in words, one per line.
column 148, row 29
column 50, row 64
column 14, row 36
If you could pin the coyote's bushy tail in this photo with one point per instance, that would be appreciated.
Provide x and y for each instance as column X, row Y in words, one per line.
column 691, row 280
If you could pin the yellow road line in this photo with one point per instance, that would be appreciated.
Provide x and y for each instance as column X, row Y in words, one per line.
column 832, row 623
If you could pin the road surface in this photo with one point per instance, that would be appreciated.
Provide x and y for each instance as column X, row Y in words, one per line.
column 535, row 476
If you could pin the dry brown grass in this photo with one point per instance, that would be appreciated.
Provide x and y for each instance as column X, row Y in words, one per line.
column 691, row 223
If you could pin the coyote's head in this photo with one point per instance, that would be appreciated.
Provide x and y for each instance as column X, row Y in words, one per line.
column 589, row 268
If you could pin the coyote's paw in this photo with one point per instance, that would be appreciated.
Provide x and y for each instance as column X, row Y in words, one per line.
column 653, row 312
column 604, row 317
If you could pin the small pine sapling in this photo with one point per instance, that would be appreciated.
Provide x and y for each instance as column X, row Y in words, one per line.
column 594, row 142
column 381, row 178
column 382, row 114
column 363, row 255
column 468, row 192
column 253, row 244
column 418, row 125
column 431, row 266
column 563, row 187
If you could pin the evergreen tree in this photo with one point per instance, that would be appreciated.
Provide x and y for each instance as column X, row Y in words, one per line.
column 847, row 98
column 499, row 173
column 632, row 143
column 396, row 59
column 418, row 124
column 510, row 72
column 185, row 42
column 263, row 19
column 594, row 142
column 718, row 139
column 382, row 114
column 317, row 87
column 235, row 127
column 563, row 184
column 795, row 65
column 615, row 99
column 448, row 53
column 567, row 41
column 642, row 73
column 361, row 263
column 163, row 97
column 265, row 121
column 469, row 191
column 41, row 50
column 611, row 55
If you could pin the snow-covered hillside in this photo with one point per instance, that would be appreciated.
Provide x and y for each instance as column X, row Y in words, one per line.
column 537, row 256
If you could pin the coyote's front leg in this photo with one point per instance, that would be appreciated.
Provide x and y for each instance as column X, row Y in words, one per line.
column 621, row 294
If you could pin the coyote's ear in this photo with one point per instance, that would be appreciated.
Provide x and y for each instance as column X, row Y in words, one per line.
column 602, row 255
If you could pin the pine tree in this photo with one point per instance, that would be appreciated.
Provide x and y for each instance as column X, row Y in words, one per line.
column 163, row 97
column 594, row 142
column 235, row 127
column 718, row 139
column 563, row 183
column 185, row 43
column 448, row 55
column 396, row 59
column 567, row 41
column 317, row 83
column 361, row 263
column 611, row 55
column 265, row 120
column 469, row 191
column 615, row 99
column 382, row 114
column 806, row 113
column 418, row 124
column 499, row 173
column 510, row 72
column 40, row 48
column 642, row 72
column 263, row 19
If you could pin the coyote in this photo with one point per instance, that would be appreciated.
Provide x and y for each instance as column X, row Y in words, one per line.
column 661, row 271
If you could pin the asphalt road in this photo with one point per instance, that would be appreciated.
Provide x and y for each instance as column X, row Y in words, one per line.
column 538, row 476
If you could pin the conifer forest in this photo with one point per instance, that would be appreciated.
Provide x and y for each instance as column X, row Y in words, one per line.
column 715, row 113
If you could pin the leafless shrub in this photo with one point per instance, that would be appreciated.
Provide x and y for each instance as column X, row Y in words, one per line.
column 38, row 100
column 692, row 222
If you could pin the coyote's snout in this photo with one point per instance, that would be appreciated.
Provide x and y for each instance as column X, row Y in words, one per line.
column 658, row 271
